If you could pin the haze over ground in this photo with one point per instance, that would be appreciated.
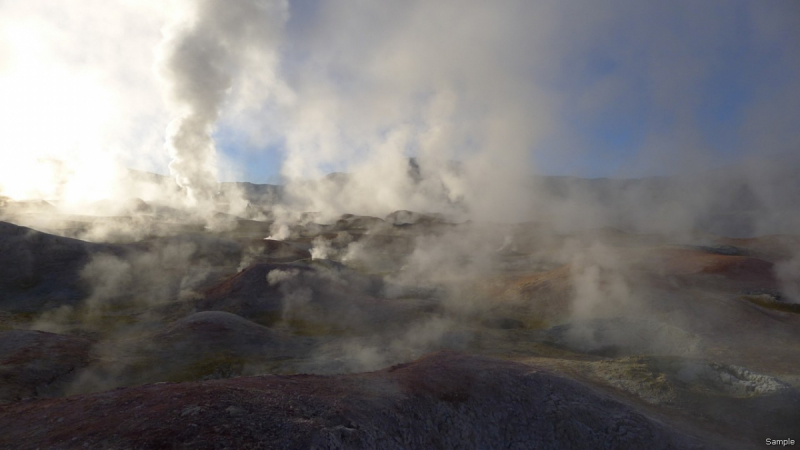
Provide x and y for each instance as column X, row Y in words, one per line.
column 551, row 224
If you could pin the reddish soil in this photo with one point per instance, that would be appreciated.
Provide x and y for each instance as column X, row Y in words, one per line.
column 738, row 270
column 441, row 401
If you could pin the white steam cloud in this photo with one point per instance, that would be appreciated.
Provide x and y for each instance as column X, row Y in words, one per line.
column 481, row 95
column 77, row 97
column 212, row 48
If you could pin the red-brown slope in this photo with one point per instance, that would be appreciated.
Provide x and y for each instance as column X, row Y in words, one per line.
column 34, row 363
column 695, row 266
column 445, row 400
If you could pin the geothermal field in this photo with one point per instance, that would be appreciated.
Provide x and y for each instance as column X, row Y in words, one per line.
column 304, row 224
column 155, row 328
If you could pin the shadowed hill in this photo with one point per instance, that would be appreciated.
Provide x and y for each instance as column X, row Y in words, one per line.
column 37, row 363
column 41, row 270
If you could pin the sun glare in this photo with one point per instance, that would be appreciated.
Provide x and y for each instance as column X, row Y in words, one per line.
column 49, row 113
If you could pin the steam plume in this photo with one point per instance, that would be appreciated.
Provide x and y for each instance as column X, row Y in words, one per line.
column 206, row 54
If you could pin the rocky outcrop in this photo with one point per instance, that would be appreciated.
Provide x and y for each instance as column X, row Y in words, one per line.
column 742, row 404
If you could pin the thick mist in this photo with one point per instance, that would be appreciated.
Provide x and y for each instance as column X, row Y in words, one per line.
column 210, row 47
column 483, row 97
column 452, row 175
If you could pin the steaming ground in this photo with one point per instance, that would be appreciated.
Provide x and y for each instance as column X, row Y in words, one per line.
column 690, row 337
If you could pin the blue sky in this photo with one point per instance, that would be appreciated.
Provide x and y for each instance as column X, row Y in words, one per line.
column 737, row 72
column 635, row 92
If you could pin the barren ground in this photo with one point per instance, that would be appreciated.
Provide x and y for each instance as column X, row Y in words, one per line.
column 403, row 332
